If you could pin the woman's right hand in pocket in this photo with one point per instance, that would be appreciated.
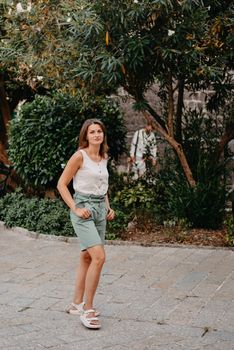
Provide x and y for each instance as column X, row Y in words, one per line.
column 83, row 213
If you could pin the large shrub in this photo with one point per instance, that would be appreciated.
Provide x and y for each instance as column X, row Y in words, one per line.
column 48, row 216
column 46, row 134
column 204, row 204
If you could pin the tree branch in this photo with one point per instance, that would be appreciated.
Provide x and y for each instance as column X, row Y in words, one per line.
column 180, row 153
column 5, row 111
column 156, row 117
column 170, row 106
column 179, row 110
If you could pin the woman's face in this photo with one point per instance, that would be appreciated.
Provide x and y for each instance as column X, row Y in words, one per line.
column 95, row 134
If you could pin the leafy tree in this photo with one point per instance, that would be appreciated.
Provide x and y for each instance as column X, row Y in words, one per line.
column 17, row 82
column 181, row 45
column 36, row 56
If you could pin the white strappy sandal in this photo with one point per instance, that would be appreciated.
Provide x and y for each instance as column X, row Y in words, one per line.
column 87, row 321
column 75, row 309
column 78, row 309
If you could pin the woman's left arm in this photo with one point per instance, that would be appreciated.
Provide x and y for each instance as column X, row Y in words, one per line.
column 110, row 212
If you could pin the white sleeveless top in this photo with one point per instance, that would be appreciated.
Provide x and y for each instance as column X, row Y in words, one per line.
column 92, row 177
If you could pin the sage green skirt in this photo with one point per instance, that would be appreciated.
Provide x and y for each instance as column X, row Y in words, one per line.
column 91, row 231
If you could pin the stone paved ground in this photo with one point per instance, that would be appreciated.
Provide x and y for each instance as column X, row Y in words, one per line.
column 150, row 297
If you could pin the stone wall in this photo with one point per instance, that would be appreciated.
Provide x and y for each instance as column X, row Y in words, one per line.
column 135, row 120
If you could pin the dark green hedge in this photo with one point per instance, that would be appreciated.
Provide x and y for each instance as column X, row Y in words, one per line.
column 48, row 216
column 46, row 134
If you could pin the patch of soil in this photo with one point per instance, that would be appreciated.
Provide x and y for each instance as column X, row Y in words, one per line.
column 148, row 234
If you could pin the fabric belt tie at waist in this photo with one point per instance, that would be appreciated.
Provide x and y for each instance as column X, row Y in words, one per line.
column 92, row 197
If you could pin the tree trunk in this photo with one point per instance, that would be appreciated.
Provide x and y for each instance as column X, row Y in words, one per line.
column 4, row 106
column 179, row 110
column 187, row 171
column 3, row 154
column 180, row 153
column 170, row 108
column 5, row 118
column 156, row 117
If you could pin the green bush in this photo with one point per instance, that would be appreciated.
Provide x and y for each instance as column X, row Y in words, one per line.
column 135, row 197
column 49, row 216
column 203, row 206
column 119, row 224
column 166, row 195
column 200, row 137
column 144, row 197
column 46, row 134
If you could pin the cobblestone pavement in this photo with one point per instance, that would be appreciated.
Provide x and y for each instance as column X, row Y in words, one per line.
column 166, row 298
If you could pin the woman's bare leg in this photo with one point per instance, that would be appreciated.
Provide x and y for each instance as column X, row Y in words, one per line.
column 97, row 254
column 84, row 263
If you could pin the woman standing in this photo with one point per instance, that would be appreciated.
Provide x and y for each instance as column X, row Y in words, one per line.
column 89, row 211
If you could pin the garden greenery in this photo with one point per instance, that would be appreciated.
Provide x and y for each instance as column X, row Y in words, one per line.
column 48, row 216
column 41, row 215
column 45, row 134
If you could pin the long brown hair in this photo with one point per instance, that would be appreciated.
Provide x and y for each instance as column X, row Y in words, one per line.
column 83, row 142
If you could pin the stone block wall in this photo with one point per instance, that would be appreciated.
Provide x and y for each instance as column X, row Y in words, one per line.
column 135, row 120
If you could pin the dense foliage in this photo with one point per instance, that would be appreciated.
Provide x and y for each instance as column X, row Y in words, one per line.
column 39, row 215
column 180, row 45
column 45, row 134
column 166, row 195
column 48, row 216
